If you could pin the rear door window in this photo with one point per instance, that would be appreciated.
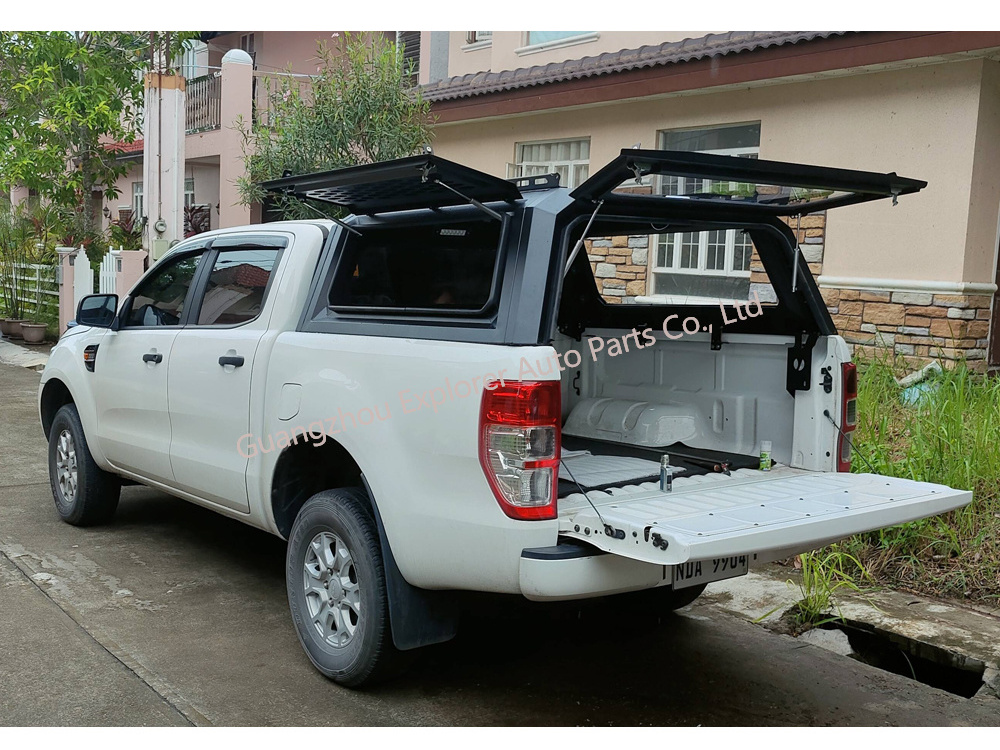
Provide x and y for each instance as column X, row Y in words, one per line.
column 237, row 286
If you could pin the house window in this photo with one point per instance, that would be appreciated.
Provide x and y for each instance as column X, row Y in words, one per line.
column 476, row 37
column 409, row 43
column 548, row 37
column 714, row 255
column 189, row 191
column 137, row 205
column 570, row 159
column 248, row 45
column 194, row 59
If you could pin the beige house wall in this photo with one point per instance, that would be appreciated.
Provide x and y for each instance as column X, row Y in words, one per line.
column 984, row 215
column 921, row 122
column 501, row 54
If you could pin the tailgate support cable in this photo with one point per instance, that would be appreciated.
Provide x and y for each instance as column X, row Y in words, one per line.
column 855, row 451
column 609, row 530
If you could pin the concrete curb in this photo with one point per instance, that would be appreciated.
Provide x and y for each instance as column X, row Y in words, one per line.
column 764, row 595
column 20, row 356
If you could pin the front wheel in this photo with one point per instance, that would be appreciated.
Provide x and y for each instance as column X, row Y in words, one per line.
column 337, row 590
column 84, row 493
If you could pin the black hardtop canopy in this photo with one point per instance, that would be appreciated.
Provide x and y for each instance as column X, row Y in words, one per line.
column 770, row 187
column 424, row 181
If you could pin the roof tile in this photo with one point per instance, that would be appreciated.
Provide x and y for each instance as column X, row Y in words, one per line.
column 649, row 56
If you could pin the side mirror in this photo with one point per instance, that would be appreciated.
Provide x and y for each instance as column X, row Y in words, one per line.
column 97, row 310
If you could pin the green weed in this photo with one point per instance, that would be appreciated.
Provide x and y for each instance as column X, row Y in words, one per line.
column 824, row 574
column 949, row 435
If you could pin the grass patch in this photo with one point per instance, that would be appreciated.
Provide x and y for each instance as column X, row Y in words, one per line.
column 950, row 435
column 823, row 575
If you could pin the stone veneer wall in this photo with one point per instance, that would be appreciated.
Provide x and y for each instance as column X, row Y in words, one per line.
column 917, row 325
column 619, row 265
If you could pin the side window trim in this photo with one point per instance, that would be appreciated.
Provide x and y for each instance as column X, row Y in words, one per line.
column 200, row 280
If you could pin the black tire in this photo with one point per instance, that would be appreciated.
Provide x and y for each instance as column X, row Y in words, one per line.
column 367, row 654
column 94, row 497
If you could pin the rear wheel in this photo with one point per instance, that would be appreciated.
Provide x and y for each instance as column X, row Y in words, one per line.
column 337, row 590
column 84, row 493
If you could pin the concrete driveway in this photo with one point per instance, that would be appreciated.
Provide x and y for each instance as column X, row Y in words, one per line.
column 174, row 615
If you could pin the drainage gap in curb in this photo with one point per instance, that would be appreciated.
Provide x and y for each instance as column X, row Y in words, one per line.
column 931, row 665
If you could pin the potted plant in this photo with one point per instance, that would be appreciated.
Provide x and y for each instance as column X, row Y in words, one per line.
column 14, row 241
column 42, row 225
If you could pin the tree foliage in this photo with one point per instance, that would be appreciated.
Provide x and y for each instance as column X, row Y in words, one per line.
column 361, row 107
column 66, row 100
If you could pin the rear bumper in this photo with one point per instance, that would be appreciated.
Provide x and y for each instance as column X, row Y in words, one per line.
column 579, row 571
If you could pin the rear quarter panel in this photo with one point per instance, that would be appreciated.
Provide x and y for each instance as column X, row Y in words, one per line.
column 408, row 412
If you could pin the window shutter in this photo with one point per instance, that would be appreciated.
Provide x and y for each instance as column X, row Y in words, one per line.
column 409, row 41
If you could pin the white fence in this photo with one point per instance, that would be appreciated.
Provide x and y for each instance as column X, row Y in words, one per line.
column 37, row 290
column 84, row 277
column 109, row 273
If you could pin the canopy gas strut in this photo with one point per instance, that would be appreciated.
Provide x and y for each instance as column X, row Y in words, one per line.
column 324, row 215
column 579, row 242
column 428, row 176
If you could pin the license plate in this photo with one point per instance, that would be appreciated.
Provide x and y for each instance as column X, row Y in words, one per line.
column 705, row 571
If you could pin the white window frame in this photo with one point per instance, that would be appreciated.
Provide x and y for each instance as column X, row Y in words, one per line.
column 138, row 206
column 477, row 40
column 567, row 41
column 677, row 238
column 188, row 192
column 518, row 167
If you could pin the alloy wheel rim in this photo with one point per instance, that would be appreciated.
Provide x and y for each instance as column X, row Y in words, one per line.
column 66, row 468
column 332, row 590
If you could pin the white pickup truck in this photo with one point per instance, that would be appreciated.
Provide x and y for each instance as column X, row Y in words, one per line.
column 445, row 393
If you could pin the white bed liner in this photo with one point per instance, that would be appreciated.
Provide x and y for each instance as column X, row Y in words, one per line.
column 600, row 471
column 714, row 515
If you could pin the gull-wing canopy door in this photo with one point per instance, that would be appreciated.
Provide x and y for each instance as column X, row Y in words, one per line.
column 770, row 187
column 425, row 181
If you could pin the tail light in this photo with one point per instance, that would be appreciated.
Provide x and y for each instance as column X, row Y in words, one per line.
column 519, row 436
column 848, row 414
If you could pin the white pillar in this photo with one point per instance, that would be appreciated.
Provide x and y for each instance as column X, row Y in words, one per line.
column 163, row 161
column 236, row 110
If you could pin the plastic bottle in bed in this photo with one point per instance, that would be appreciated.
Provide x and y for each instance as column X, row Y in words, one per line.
column 765, row 455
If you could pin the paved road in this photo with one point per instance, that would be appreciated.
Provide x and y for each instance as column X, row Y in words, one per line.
column 173, row 615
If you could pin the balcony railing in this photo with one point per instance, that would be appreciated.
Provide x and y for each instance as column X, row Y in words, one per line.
column 204, row 103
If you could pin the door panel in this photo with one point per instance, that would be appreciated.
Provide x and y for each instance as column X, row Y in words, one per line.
column 210, row 411
column 132, row 426
column 210, row 376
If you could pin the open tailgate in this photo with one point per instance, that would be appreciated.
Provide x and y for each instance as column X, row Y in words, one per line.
column 716, row 516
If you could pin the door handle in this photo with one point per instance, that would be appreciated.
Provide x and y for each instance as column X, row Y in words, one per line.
column 154, row 358
column 236, row 361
